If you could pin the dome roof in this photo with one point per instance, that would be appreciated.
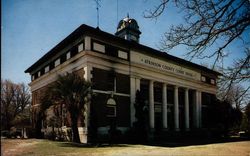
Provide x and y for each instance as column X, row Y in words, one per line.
column 128, row 23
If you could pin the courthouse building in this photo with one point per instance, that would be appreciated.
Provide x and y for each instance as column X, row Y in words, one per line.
column 175, row 91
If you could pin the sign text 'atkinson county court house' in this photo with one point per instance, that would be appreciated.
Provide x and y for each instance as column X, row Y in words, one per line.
column 178, row 70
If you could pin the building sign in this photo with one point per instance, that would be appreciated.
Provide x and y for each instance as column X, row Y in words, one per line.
column 163, row 65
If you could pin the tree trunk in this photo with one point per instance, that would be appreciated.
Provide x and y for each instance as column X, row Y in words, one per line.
column 38, row 127
column 22, row 132
column 7, row 123
column 74, row 127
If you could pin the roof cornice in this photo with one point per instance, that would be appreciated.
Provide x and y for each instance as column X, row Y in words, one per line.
column 96, row 32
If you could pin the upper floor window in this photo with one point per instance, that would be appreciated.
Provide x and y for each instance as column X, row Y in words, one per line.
column 98, row 47
column 123, row 54
column 212, row 81
column 68, row 55
column 39, row 74
column 57, row 62
column 203, row 78
column 80, row 47
column 46, row 69
column 208, row 80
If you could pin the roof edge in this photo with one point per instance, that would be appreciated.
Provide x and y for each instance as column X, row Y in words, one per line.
column 88, row 30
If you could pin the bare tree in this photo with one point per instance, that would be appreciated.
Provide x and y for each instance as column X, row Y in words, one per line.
column 210, row 23
column 235, row 82
column 234, row 96
column 23, row 104
column 7, row 97
column 15, row 104
column 247, row 114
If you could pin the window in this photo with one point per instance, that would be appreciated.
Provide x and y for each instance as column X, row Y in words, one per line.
column 46, row 69
column 203, row 78
column 98, row 47
column 111, row 81
column 80, row 47
column 68, row 55
column 212, row 81
column 103, row 80
column 111, row 108
column 158, row 92
column 122, row 83
column 123, row 54
column 111, row 111
column 33, row 77
column 208, row 80
column 170, row 93
column 57, row 62
column 39, row 74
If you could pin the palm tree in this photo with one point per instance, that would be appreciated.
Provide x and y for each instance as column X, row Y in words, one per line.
column 72, row 91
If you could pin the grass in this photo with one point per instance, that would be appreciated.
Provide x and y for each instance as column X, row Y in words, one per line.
column 35, row 147
column 65, row 148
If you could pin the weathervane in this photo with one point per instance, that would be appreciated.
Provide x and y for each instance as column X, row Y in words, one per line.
column 97, row 10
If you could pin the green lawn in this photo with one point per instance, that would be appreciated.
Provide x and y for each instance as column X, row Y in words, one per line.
column 35, row 147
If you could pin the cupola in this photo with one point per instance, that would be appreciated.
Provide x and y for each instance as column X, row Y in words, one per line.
column 128, row 29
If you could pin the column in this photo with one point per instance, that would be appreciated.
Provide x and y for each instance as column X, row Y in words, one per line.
column 200, row 109
column 197, row 109
column 87, row 72
column 164, row 106
column 137, row 84
column 151, row 105
column 176, row 109
column 186, row 110
column 83, row 131
column 134, row 86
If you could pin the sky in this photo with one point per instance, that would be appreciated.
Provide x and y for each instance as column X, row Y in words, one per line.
column 30, row 28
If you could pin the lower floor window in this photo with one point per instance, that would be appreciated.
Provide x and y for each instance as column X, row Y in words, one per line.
column 111, row 111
